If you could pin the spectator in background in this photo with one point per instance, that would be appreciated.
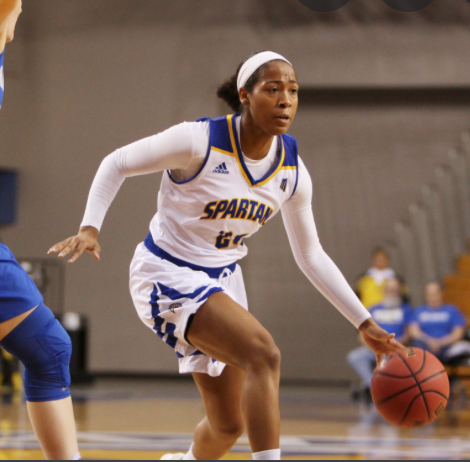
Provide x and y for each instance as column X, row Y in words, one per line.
column 436, row 327
column 370, row 287
column 392, row 315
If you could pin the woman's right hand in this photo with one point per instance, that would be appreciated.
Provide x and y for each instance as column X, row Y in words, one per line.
column 85, row 240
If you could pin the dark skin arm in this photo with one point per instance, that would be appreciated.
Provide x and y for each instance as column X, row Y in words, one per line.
column 85, row 240
column 378, row 340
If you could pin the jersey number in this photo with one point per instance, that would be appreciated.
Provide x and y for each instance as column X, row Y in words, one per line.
column 224, row 240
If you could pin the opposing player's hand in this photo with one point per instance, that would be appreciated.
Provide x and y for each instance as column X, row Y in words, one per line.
column 85, row 240
column 379, row 340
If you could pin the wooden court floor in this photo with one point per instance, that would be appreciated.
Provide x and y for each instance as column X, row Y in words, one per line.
column 144, row 419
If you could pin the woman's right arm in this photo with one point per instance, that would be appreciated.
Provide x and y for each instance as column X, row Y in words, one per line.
column 177, row 148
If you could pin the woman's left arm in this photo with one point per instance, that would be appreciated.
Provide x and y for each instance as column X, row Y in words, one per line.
column 322, row 272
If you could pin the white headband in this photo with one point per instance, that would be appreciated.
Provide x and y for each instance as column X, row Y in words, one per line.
column 254, row 63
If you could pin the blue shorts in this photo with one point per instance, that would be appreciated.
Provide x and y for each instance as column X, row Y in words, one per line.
column 18, row 293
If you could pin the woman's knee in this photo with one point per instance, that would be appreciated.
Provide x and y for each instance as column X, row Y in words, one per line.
column 45, row 349
column 264, row 354
column 231, row 430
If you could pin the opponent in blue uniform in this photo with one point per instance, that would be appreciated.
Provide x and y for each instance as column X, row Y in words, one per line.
column 29, row 330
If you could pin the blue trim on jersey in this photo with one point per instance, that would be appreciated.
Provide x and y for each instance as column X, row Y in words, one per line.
column 242, row 160
column 2, row 78
column 213, row 273
column 291, row 157
column 205, row 119
column 220, row 135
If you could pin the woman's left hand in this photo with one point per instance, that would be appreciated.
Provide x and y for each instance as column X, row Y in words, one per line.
column 379, row 340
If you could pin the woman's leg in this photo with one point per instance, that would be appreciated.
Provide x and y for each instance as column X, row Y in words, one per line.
column 43, row 346
column 222, row 427
column 225, row 331
column 54, row 425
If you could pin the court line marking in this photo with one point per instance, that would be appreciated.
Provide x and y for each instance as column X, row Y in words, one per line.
column 291, row 445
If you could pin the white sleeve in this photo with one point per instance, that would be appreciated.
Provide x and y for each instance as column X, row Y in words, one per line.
column 178, row 148
column 322, row 272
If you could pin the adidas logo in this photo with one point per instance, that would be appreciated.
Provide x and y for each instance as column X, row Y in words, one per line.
column 222, row 168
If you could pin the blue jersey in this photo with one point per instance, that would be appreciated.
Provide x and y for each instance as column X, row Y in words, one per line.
column 18, row 293
column 440, row 322
column 393, row 320
column 2, row 78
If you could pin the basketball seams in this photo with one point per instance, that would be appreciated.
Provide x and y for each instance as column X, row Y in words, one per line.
column 402, row 397
column 413, row 375
column 433, row 377
column 410, row 406
column 437, row 393
column 417, row 384
column 409, row 388
column 396, row 395
column 392, row 376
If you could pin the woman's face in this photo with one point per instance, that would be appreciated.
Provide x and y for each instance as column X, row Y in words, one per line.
column 274, row 100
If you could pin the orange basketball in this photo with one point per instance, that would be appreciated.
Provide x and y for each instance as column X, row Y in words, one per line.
column 410, row 388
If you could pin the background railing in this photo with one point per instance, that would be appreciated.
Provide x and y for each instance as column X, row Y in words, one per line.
column 436, row 231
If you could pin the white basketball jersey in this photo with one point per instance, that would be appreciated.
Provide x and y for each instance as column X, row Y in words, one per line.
column 205, row 220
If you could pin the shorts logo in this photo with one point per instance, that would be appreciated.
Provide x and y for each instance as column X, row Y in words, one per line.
column 222, row 168
column 175, row 306
column 284, row 185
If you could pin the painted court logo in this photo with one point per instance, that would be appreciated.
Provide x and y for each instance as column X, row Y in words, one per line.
column 405, row 6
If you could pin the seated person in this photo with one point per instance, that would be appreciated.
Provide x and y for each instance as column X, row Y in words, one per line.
column 393, row 315
column 436, row 327
column 370, row 286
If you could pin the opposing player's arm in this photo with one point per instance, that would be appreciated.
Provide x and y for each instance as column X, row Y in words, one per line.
column 7, row 8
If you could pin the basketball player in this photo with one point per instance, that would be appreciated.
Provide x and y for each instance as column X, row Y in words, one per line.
column 29, row 330
column 225, row 179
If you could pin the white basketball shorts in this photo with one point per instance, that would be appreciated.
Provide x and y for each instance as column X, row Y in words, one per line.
column 166, row 295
